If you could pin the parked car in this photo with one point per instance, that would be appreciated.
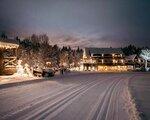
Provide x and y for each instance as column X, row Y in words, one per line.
column 46, row 72
column 37, row 72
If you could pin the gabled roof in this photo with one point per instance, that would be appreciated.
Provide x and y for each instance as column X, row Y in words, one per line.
column 8, row 43
column 89, row 51
column 131, row 57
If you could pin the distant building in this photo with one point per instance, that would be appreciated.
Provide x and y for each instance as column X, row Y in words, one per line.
column 103, row 59
column 135, row 61
column 8, row 56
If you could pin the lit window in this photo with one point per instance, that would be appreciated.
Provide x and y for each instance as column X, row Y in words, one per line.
column 122, row 61
column 102, row 61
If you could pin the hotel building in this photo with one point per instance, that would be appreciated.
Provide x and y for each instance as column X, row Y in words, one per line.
column 103, row 59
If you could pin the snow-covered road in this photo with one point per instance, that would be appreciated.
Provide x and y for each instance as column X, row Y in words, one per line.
column 83, row 96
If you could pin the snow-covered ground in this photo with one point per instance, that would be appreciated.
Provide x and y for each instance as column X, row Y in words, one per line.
column 140, row 89
column 80, row 96
column 13, row 79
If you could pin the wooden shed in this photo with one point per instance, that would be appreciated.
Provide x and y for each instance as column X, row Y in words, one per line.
column 8, row 56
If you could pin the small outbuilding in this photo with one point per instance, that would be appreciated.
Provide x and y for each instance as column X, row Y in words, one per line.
column 8, row 56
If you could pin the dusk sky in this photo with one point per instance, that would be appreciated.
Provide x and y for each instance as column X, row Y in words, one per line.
column 99, row 23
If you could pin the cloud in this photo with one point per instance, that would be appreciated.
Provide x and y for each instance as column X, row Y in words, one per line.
column 94, row 41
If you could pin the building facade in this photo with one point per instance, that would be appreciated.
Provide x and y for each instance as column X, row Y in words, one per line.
column 103, row 59
column 137, row 62
column 8, row 56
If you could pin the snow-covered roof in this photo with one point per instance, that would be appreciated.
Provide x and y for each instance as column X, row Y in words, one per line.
column 131, row 57
column 8, row 43
column 89, row 51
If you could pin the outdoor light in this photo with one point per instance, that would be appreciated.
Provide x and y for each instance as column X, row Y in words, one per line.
column 114, row 61
column 113, row 55
column 102, row 61
column 8, row 45
column 122, row 61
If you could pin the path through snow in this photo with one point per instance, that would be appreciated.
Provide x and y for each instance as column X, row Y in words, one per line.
column 91, row 96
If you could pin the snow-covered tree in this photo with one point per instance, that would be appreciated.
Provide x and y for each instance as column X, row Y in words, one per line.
column 37, row 51
column 145, row 54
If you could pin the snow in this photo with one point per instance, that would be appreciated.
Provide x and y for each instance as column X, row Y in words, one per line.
column 140, row 88
column 130, row 105
column 75, row 96
column 15, row 78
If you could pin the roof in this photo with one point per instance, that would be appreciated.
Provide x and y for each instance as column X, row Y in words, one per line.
column 89, row 51
column 131, row 57
column 8, row 43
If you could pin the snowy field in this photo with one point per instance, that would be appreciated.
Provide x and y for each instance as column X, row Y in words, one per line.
column 140, row 89
column 80, row 96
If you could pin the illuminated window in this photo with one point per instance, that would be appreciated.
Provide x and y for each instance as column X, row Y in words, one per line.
column 113, row 55
column 102, row 61
column 122, row 61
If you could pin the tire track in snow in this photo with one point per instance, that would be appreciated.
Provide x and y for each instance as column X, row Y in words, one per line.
column 105, row 107
column 49, row 105
column 36, row 105
column 98, row 109
column 42, row 98
column 111, row 104
column 52, row 111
